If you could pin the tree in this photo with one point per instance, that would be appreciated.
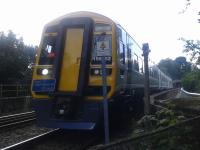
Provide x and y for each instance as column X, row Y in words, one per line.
column 175, row 68
column 166, row 65
column 193, row 49
column 15, row 57
column 187, row 4
column 182, row 67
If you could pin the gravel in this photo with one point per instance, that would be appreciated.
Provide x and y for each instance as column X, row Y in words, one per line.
column 66, row 140
column 13, row 136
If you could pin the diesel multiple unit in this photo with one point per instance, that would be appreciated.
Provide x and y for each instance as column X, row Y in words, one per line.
column 67, row 76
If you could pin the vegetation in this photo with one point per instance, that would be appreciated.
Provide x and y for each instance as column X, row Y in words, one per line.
column 193, row 49
column 16, row 57
column 191, row 81
column 175, row 68
column 167, row 130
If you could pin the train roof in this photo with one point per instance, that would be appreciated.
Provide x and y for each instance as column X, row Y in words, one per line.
column 95, row 16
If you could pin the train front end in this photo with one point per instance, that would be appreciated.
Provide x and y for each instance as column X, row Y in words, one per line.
column 67, row 81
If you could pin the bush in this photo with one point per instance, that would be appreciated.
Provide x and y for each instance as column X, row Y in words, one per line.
column 191, row 81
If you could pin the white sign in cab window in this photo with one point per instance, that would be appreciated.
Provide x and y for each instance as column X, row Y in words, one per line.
column 103, row 48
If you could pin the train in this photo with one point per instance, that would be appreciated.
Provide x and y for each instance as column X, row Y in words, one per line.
column 67, row 75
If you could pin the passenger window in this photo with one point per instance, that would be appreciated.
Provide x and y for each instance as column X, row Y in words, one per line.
column 119, row 34
column 141, row 65
column 122, row 52
column 124, row 37
column 129, row 59
column 135, row 62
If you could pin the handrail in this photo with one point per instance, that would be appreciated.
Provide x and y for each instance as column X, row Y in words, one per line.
column 190, row 94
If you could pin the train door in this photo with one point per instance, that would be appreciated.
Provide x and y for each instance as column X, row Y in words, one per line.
column 75, row 49
column 70, row 66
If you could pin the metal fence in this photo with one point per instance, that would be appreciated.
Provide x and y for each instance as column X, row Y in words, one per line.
column 14, row 90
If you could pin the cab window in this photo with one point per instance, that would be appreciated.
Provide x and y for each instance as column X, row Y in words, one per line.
column 47, row 55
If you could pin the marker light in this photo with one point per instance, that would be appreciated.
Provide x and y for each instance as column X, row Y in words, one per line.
column 45, row 71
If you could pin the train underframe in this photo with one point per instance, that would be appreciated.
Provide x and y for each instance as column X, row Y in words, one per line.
column 67, row 113
column 81, row 114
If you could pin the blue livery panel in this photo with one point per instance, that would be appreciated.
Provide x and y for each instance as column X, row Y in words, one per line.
column 44, row 85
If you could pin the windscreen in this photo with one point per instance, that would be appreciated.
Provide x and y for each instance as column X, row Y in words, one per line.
column 48, row 53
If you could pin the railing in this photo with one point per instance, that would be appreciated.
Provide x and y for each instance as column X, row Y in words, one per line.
column 14, row 90
column 188, row 94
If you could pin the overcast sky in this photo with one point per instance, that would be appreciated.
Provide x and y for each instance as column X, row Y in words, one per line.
column 157, row 22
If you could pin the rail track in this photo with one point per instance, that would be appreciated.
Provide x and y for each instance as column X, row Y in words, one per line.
column 16, row 119
column 30, row 142
column 59, row 139
column 56, row 139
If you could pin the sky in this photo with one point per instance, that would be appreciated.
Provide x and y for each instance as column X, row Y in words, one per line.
column 158, row 22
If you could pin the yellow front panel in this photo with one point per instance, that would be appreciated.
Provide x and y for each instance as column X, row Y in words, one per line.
column 69, row 74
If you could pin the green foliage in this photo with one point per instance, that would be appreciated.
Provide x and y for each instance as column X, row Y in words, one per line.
column 191, row 81
column 193, row 49
column 15, row 58
column 160, row 119
column 182, row 137
column 175, row 68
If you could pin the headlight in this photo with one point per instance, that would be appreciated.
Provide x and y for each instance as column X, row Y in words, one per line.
column 98, row 71
column 45, row 71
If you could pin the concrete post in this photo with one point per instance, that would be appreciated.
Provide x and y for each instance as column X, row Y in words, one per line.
column 146, row 51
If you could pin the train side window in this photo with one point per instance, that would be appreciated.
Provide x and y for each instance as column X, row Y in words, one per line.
column 122, row 52
column 150, row 71
column 130, row 52
column 119, row 34
column 124, row 37
column 155, row 73
column 135, row 62
column 129, row 59
column 141, row 68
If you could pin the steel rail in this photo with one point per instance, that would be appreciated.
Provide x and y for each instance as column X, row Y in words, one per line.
column 31, row 141
column 12, row 98
column 16, row 119
column 15, row 115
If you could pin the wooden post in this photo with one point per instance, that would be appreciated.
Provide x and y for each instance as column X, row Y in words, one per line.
column 146, row 51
